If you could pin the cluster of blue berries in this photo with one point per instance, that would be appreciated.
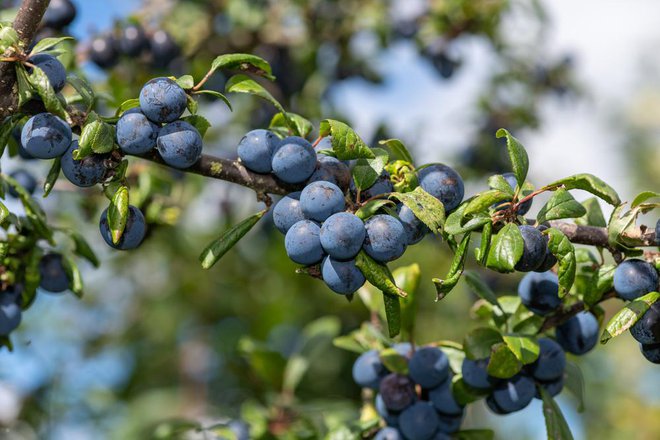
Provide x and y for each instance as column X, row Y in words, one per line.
column 319, row 223
column 506, row 396
column 419, row 405
column 53, row 279
column 634, row 278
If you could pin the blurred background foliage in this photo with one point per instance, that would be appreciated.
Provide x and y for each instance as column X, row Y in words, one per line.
column 157, row 346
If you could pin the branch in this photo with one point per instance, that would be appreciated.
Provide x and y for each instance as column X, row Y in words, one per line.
column 567, row 313
column 26, row 24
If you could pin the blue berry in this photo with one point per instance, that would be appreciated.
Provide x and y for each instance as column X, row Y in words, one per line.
column 429, row 367
column 368, row 370
column 514, row 394
column 534, row 249
column 553, row 387
column 302, row 243
column 390, row 417
column 256, row 150
column 103, row 51
column 647, row 329
column 133, row 40
column 386, row 239
column 134, row 232
column 60, row 13
column 651, row 352
column 550, row 260
column 46, row 136
column 53, row 69
column 25, row 179
column 494, row 407
column 450, row 424
column 319, row 200
column 287, row 212
column 383, row 185
column 163, row 49
column 84, row 172
column 579, row 334
column 294, row 160
column 551, row 361
column 10, row 313
column 634, row 278
column 162, row 100
column 342, row 235
column 539, row 292
column 331, row 169
column 54, row 278
column 475, row 374
column 179, row 144
column 342, row 277
column 443, row 183
column 136, row 134
column 397, row 392
column 419, row 421
column 444, row 401
column 511, row 180
column 388, row 433
column 415, row 229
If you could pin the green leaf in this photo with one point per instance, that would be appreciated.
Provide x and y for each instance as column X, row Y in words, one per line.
column 245, row 62
column 562, row 248
column 127, row 105
column 219, row 247
column 506, row 249
column 244, row 84
column 481, row 289
column 457, row 223
column 346, row 143
column 628, row 316
column 378, row 275
column 408, row 278
column 118, row 213
column 602, row 281
column 199, row 122
column 393, row 361
column 481, row 253
column 8, row 37
column 574, row 382
column 84, row 89
column 73, row 273
column 498, row 182
column 481, row 202
column 96, row 136
column 474, row 434
column 25, row 89
column 32, row 278
column 4, row 212
column 296, row 367
column 503, row 362
column 302, row 127
column 594, row 214
column 215, row 94
column 192, row 105
column 41, row 85
column 443, row 287
column 53, row 174
column 367, row 171
column 47, row 43
column 463, row 393
column 561, row 205
column 555, row 423
column 372, row 207
column 392, row 314
column 479, row 342
column 186, row 82
column 399, row 151
column 589, row 183
column 517, row 155
column 525, row 348
column 33, row 211
column 82, row 248
column 425, row 207
column 643, row 197
column 6, row 128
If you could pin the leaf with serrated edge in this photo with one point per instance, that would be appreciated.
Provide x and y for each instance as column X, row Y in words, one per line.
column 517, row 155
column 53, row 174
column 525, row 348
column 478, row 342
column 219, row 247
column 243, row 61
column 498, row 182
column 481, row 202
column 394, row 361
column 367, row 171
column 199, row 122
column 425, row 207
column 392, row 314
column 506, row 249
column 503, row 362
column 561, row 205
column 378, row 275
column 41, row 84
column 643, row 197
column 594, row 214
column 399, row 151
column 346, row 143
column 118, row 213
column 46, row 43
column 443, row 287
column 589, row 183
column 371, row 208
column 628, row 316
column 303, row 126
column 562, row 248
column 457, row 223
